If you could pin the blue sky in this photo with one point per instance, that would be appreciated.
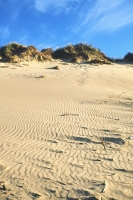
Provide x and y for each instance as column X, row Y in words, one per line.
column 106, row 24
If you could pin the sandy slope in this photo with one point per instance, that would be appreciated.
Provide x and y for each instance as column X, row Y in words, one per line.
column 66, row 135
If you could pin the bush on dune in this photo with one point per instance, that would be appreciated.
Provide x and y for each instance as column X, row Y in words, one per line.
column 129, row 57
column 11, row 49
column 78, row 53
column 81, row 52
column 14, row 52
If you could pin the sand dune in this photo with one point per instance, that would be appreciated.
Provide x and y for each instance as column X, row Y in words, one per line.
column 66, row 134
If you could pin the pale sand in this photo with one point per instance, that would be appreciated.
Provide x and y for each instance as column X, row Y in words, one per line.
column 65, row 134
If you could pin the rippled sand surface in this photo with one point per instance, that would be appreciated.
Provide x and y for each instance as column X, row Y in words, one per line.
column 66, row 133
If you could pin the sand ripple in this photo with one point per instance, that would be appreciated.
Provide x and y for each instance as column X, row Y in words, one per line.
column 65, row 148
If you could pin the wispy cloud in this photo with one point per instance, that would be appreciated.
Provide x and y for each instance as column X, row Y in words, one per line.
column 106, row 15
column 23, row 39
column 56, row 6
column 15, row 14
column 4, row 32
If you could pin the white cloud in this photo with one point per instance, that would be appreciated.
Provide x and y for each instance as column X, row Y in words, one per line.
column 106, row 15
column 23, row 39
column 15, row 14
column 4, row 32
column 56, row 6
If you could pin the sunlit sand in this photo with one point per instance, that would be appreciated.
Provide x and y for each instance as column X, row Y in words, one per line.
column 66, row 131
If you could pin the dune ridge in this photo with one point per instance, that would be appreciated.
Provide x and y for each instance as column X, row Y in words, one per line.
column 78, row 53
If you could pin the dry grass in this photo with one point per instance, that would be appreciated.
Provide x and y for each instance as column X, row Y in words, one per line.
column 25, row 64
column 41, row 76
column 2, row 185
column 4, row 66
column 56, row 67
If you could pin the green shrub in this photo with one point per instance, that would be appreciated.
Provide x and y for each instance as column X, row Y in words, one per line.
column 76, row 50
column 11, row 49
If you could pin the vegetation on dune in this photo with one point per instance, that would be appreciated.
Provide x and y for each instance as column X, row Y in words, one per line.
column 78, row 53
column 11, row 49
column 14, row 52
column 128, row 57
column 74, row 50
